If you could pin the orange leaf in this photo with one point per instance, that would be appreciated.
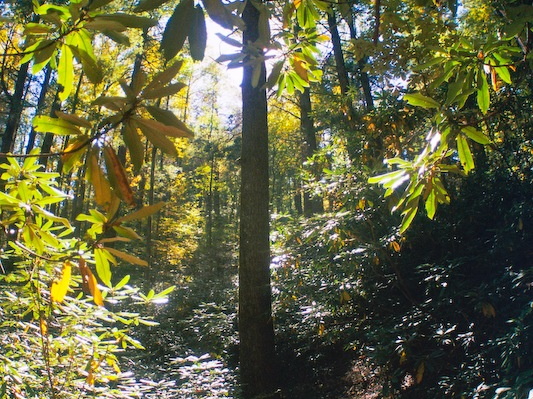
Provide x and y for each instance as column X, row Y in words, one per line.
column 89, row 283
column 60, row 287
column 118, row 176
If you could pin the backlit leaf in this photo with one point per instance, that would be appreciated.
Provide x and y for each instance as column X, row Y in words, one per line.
column 74, row 119
column 475, row 135
column 167, row 130
column 483, row 95
column 163, row 91
column 65, row 72
column 89, row 283
column 60, row 287
column 163, row 78
column 131, row 21
column 127, row 257
column 117, row 175
column 103, row 267
column 101, row 186
column 47, row 124
column 419, row 100
column 465, row 156
column 133, row 142
column 141, row 213
column 159, row 140
column 168, row 118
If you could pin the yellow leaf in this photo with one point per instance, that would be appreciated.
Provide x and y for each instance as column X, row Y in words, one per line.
column 395, row 246
column 403, row 357
column 321, row 329
column 488, row 310
column 420, row 372
column 43, row 326
column 345, row 297
column 300, row 69
column 60, row 287
column 102, row 189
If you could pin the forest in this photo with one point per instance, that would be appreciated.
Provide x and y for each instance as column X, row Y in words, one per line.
column 266, row 199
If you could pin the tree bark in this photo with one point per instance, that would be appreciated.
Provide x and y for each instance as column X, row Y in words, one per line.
column 340, row 65
column 256, row 331
column 312, row 205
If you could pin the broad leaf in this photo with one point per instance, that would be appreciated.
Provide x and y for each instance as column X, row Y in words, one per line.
column 197, row 34
column 133, row 142
column 117, row 176
column 176, row 29
column 89, row 283
column 465, row 156
column 141, row 213
column 47, row 124
column 131, row 21
column 475, row 135
column 60, row 287
column 65, row 72
column 127, row 257
column 168, row 119
column 483, row 95
column 149, row 5
column 103, row 267
column 419, row 100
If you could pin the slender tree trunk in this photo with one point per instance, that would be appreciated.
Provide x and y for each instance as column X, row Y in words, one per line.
column 312, row 205
column 363, row 76
column 256, row 331
column 149, row 272
column 40, row 105
column 16, row 107
column 340, row 65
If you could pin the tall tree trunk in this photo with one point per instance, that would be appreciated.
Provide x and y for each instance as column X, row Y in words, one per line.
column 16, row 107
column 311, row 204
column 363, row 76
column 340, row 65
column 256, row 331
column 40, row 105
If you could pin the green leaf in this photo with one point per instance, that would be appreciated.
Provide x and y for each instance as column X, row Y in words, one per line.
column 103, row 268
column 158, row 139
column 475, row 135
column 483, row 95
column 42, row 58
column 141, row 213
column 197, row 34
column 163, row 78
column 117, row 37
column 419, row 100
column 131, row 21
column 431, row 203
column 387, row 177
column 274, row 75
column 168, row 118
column 220, row 13
column 47, row 124
column 133, row 143
column 127, row 257
column 503, row 73
column 465, row 156
column 408, row 216
column 176, row 29
column 165, row 91
column 65, row 72
column 149, row 5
